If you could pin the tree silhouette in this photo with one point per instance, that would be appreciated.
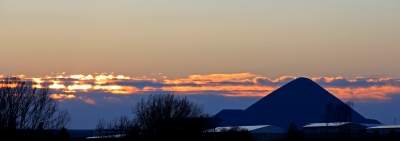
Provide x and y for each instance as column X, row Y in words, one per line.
column 340, row 114
column 161, row 117
column 28, row 113
column 328, row 115
column 292, row 132
column 166, row 116
column 234, row 133
column 63, row 135
column 121, row 125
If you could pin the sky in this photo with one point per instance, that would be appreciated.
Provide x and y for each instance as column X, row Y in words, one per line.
column 229, row 51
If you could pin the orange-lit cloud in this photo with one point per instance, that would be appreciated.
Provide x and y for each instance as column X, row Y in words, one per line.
column 62, row 96
column 87, row 100
column 373, row 92
column 222, row 77
column 233, row 85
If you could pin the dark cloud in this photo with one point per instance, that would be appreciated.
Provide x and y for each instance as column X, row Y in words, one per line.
column 357, row 82
column 140, row 83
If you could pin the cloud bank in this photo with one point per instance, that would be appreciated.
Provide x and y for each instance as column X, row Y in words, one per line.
column 231, row 85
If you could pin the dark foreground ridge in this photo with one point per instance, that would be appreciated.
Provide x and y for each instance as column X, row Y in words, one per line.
column 301, row 101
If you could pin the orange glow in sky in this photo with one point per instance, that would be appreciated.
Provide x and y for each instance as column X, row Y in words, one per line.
column 232, row 85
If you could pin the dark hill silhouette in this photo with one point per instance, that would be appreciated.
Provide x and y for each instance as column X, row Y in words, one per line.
column 301, row 101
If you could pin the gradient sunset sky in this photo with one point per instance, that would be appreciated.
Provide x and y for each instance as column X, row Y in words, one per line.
column 229, row 51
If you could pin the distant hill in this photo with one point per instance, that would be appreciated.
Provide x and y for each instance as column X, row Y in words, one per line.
column 301, row 100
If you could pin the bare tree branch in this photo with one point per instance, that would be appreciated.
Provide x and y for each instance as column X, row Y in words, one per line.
column 25, row 108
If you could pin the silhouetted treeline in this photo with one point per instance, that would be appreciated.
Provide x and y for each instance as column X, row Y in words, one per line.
column 167, row 117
